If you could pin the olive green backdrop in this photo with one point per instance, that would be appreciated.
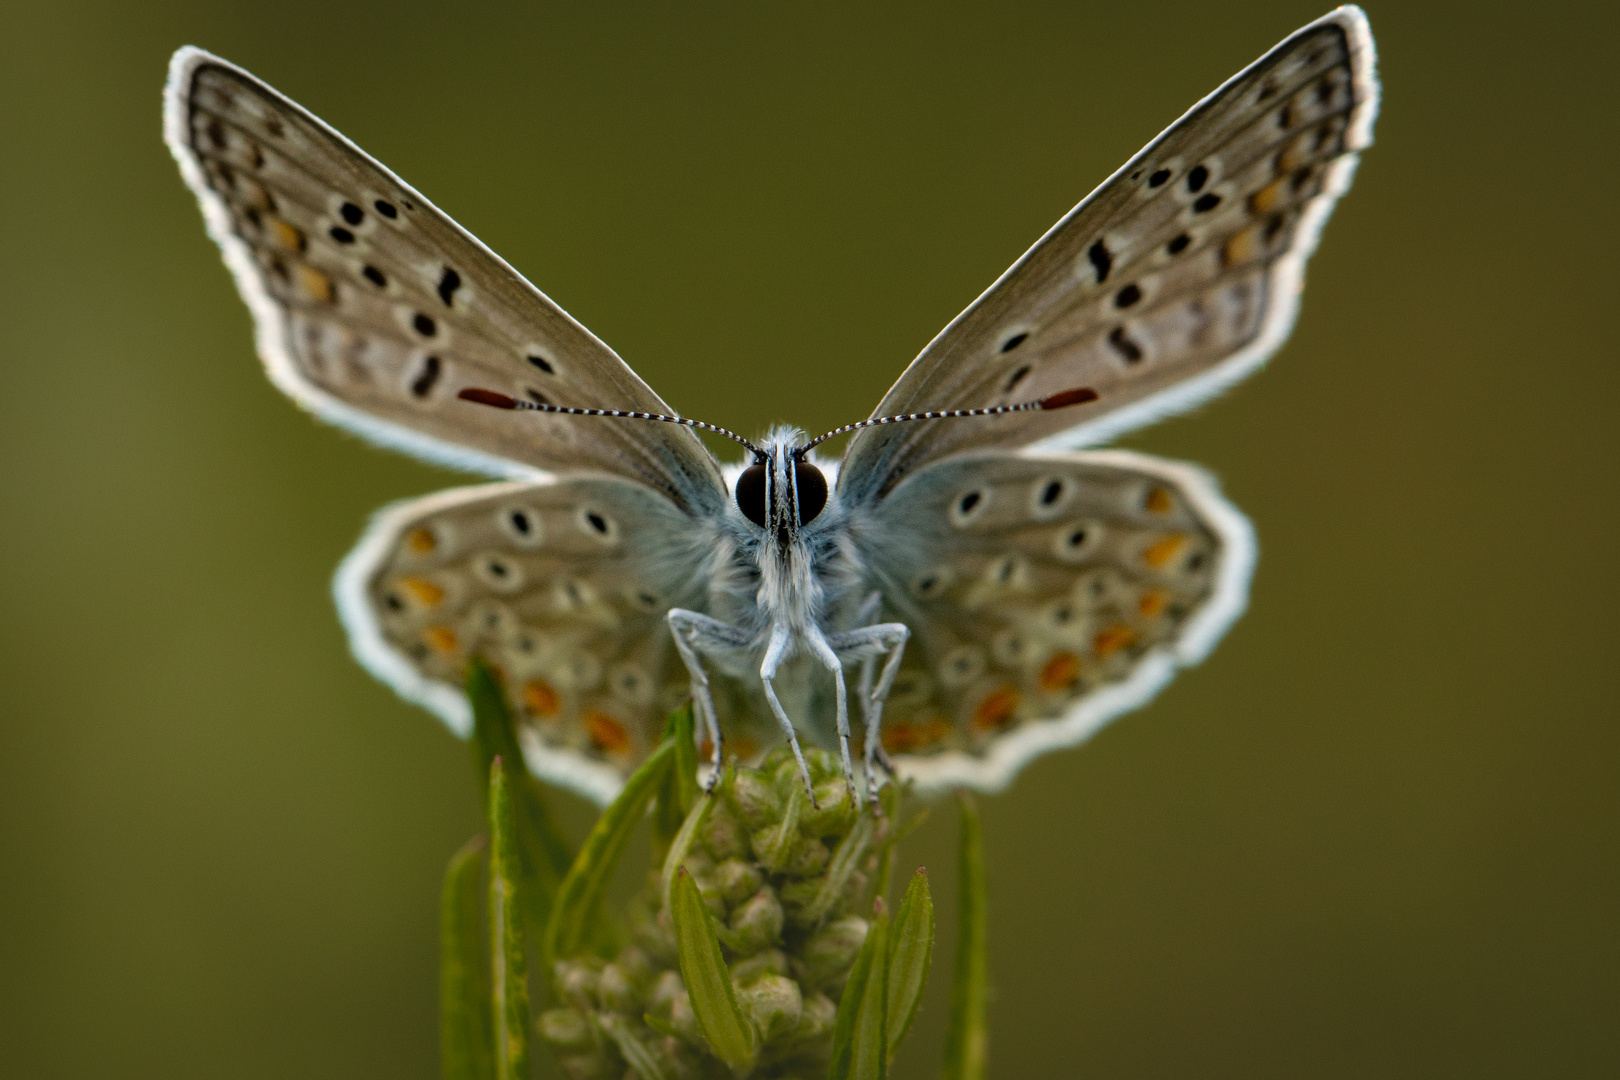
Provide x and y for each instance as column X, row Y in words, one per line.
column 1375, row 834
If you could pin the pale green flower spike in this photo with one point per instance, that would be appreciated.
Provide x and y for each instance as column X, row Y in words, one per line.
column 740, row 946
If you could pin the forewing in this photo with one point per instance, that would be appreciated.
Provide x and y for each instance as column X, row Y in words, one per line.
column 1175, row 278
column 373, row 308
column 1045, row 594
column 561, row 586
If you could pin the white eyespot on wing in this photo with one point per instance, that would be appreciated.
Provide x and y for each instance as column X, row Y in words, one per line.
column 969, row 507
column 960, row 666
column 632, row 683
column 1077, row 541
column 1012, row 647
column 1049, row 495
column 523, row 525
column 931, row 582
column 597, row 524
column 499, row 572
column 492, row 621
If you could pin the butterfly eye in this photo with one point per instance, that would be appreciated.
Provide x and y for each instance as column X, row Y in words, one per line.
column 751, row 494
column 812, row 490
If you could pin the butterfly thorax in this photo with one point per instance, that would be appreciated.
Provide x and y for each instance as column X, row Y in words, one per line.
column 792, row 535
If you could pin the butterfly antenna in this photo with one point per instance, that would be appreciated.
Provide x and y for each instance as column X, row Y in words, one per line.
column 501, row 401
column 1061, row 400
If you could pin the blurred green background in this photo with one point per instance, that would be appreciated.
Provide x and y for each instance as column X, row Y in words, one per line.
column 1374, row 835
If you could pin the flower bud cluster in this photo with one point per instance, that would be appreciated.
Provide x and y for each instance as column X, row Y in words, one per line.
column 785, row 880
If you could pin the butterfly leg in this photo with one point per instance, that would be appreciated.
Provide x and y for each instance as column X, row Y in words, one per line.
column 829, row 658
column 695, row 633
column 865, row 644
column 775, row 653
column 868, row 611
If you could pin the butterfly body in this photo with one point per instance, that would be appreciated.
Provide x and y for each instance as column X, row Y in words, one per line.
column 965, row 580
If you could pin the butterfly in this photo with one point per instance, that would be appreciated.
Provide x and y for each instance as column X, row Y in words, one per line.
column 963, row 576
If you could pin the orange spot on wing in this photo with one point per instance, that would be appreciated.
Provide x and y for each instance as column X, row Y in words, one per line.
column 424, row 592
column 1113, row 639
column 286, row 235
column 997, row 709
column 441, row 639
column 907, row 736
column 607, row 734
column 540, row 699
column 1292, row 156
column 1152, row 602
column 421, row 541
column 1162, row 551
column 1158, row 501
column 1241, row 247
column 1060, row 672
column 1267, row 198
column 314, row 284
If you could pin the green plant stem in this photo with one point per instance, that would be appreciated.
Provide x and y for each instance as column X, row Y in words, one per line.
column 967, row 1040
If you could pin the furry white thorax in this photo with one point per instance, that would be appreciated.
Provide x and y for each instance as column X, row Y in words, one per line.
column 799, row 577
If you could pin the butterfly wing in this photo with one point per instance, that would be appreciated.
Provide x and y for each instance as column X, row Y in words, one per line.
column 561, row 586
column 373, row 308
column 1046, row 594
column 1174, row 279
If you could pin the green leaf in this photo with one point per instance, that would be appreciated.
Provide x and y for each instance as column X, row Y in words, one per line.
column 729, row 1033
column 860, row 1048
column 967, row 1040
column 644, row 1064
column 843, row 863
column 682, row 843
column 509, row 986
column 911, row 952
column 581, row 891
column 545, row 854
column 680, row 789
column 686, row 762
column 465, row 1036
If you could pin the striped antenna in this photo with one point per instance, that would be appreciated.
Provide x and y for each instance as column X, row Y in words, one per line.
column 501, row 401
column 1061, row 400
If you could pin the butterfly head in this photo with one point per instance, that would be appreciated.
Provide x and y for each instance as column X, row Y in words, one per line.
column 782, row 490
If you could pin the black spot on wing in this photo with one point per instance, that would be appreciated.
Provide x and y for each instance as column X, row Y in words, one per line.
column 386, row 209
column 375, row 276
column 352, row 213
column 423, row 384
column 1013, row 342
column 1205, row 203
column 542, row 363
column 1197, row 178
column 1127, row 296
column 449, row 282
column 1130, row 350
column 424, row 325
column 1101, row 259
column 1159, row 178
